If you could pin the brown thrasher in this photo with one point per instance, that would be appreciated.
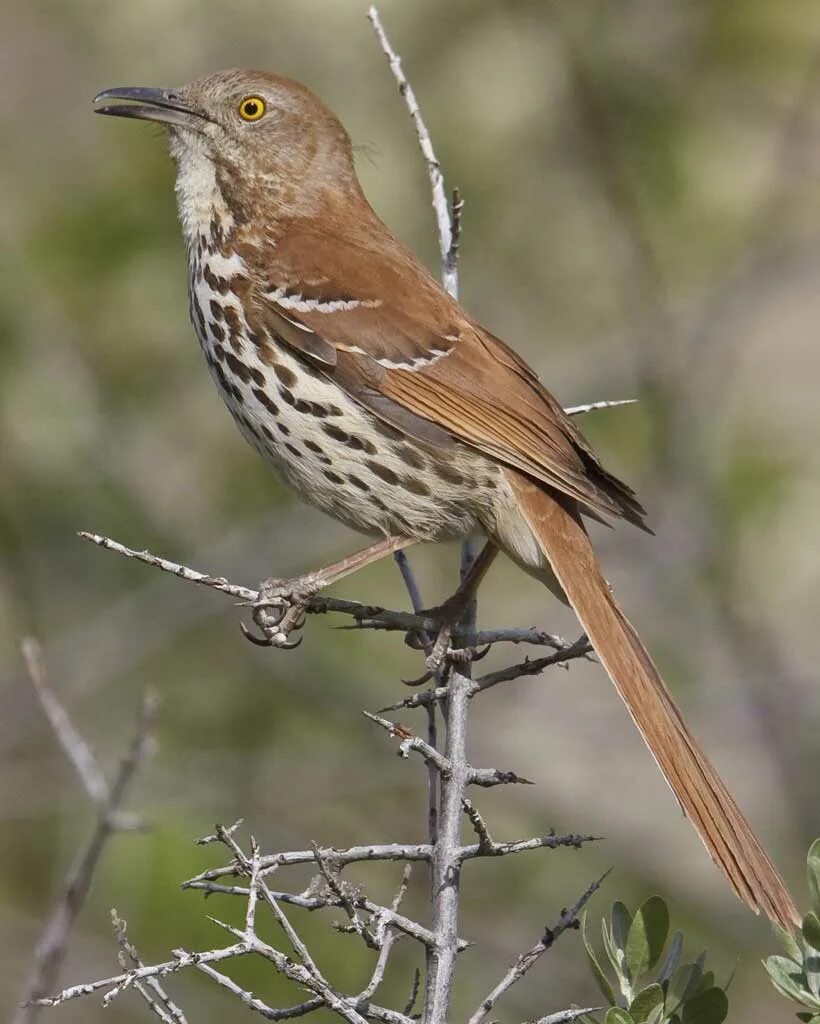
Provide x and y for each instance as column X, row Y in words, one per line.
column 382, row 402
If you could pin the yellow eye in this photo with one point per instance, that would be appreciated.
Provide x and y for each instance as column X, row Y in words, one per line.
column 252, row 108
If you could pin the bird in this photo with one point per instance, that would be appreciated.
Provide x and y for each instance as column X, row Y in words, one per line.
column 382, row 402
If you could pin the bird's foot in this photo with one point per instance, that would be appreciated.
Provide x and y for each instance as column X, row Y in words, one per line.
column 439, row 648
column 280, row 610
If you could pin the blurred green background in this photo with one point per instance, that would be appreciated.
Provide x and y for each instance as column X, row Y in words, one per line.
column 642, row 219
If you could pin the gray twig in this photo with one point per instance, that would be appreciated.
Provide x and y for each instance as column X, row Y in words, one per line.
column 449, row 253
column 158, row 1000
column 567, row 919
column 51, row 948
column 566, row 1016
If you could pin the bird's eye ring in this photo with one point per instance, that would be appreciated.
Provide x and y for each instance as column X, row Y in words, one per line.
column 251, row 108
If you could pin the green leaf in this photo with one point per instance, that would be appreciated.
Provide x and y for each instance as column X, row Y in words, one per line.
column 811, row 929
column 615, row 1015
column 787, row 977
column 789, row 943
column 710, row 1007
column 621, row 923
column 647, row 936
column 645, row 1002
column 656, row 1016
column 602, row 980
column 808, row 1017
column 672, row 959
column 685, row 981
column 609, row 946
column 813, row 873
column 811, row 970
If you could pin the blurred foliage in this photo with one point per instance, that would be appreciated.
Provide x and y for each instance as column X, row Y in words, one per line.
column 642, row 220
column 680, row 993
column 797, row 974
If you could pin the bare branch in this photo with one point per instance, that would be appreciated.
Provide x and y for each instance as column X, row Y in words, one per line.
column 580, row 649
column 567, row 919
column 181, row 960
column 551, row 841
column 339, row 858
column 566, row 1016
column 158, row 1000
column 337, row 887
column 410, row 742
column 183, row 572
column 439, row 193
column 76, row 749
column 53, row 942
column 577, row 410
column 254, row 1003
column 446, row 862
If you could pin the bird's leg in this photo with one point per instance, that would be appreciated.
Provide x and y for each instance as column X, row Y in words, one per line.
column 449, row 613
column 281, row 606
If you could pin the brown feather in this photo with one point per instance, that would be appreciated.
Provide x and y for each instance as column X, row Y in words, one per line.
column 702, row 794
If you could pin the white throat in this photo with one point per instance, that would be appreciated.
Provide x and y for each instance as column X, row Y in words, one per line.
column 199, row 199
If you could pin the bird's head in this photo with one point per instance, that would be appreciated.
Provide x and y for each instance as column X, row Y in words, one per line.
column 241, row 137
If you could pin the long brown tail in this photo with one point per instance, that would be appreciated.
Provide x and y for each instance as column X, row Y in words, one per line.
column 707, row 803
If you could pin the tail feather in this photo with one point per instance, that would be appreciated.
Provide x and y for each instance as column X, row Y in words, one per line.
column 707, row 803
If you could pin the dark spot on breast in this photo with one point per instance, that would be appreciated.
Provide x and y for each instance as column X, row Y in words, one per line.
column 489, row 482
column 336, row 433
column 294, row 450
column 447, row 473
column 265, row 400
column 237, row 367
column 382, row 472
column 234, row 326
column 286, row 375
column 361, row 444
column 217, row 310
column 286, row 396
column 268, row 433
column 267, row 353
column 237, row 394
column 334, row 410
column 334, row 478
column 257, row 375
column 300, row 405
column 283, row 429
column 319, row 411
column 216, row 331
column 220, row 376
column 358, row 483
column 199, row 318
column 410, row 456
column 415, row 486
column 313, row 447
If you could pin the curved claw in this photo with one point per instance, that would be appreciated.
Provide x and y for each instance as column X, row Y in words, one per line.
column 290, row 645
column 420, row 681
column 260, row 641
column 480, row 655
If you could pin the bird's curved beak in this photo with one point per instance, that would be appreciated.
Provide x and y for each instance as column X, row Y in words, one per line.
column 162, row 105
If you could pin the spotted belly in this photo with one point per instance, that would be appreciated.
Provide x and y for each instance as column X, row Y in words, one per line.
column 332, row 452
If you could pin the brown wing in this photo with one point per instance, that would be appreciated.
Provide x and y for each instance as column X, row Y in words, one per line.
column 373, row 319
